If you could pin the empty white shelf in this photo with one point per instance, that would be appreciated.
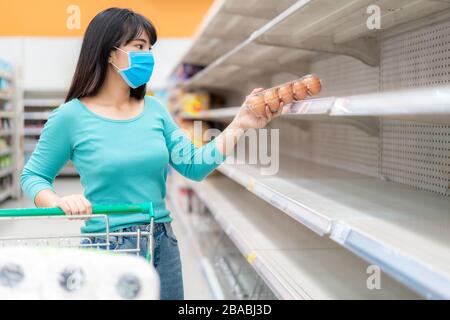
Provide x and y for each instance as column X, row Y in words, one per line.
column 36, row 115
column 6, row 114
column 295, row 262
column 303, row 30
column 5, row 172
column 320, row 106
column 33, row 131
column 419, row 104
column 227, row 24
column 420, row 101
column 5, row 194
column 398, row 227
column 5, row 132
column 206, row 265
column 5, row 151
column 38, row 102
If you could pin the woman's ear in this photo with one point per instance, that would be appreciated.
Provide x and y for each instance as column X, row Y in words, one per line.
column 110, row 56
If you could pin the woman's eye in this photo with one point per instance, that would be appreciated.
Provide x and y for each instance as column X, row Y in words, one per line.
column 140, row 46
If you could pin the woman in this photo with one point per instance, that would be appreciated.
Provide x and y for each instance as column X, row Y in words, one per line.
column 122, row 141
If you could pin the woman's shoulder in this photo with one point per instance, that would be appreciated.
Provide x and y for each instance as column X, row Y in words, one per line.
column 67, row 109
column 154, row 104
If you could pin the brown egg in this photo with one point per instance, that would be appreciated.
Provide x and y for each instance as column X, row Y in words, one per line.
column 313, row 84
column 272, row 99
column 286, row 93
column 300, row 90
column 256, row 104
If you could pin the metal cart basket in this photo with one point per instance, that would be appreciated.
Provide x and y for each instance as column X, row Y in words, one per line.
column 51, row 273
column 74, row 240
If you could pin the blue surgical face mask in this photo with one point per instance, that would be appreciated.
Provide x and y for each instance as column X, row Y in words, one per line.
column 140, row 68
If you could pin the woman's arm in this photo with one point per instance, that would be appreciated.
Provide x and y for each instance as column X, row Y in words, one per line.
column 245, row 119
column 52, row 152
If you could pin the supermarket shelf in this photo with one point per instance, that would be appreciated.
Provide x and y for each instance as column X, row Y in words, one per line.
column 5, row 194
column 206, row 266
column 36, row 115
column 5, row 151
column 227, row 24
column 294, row 262
column 29, row 148
column 421, row 104
column 5, row 132
column 42, row 102
column 6, row 75
column 5, row 172
column 307, row 28
column 33, row 131
column 7, row 114
column 5, row 95
column 392, row 225
column 417, row 102
column 305, row 107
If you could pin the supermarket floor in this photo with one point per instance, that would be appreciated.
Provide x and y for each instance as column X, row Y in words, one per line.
column 194, row 282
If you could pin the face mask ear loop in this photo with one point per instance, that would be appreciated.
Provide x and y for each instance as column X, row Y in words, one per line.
column 129, row 59
column 116, row 67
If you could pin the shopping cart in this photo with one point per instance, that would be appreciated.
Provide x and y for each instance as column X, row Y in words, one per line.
column 19, row 248
column 100, row 211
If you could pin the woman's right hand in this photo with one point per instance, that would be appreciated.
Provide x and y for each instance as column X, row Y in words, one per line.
column 74, row 205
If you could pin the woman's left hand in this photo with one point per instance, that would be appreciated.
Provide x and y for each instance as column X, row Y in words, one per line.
column 247, row 119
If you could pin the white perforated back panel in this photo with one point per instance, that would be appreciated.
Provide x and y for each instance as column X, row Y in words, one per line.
column 416, row 154
column 342, row 75
column 345, row 146
column 418, row 58
column 335, row 144
column 407, row 152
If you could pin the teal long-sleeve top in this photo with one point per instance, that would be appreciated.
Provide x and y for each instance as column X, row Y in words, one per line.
column 119, row 161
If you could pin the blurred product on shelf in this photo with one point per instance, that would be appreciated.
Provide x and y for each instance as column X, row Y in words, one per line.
column 6, row 68
column 189, row 102
column 186, row 71
column 309, row 85
column 5, row 162
column 7, row 105
column 188, row 126
column 3, row 143
column 5, row 184
column 5, row 124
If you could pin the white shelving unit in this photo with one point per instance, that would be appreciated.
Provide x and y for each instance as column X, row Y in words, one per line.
column 368, row 216
column 38, row 106
column 304, row 30
column 296, row 263
column 227, row 24
column 10, row 110
column 425, row 103
column 365, row 166
column 206, row 265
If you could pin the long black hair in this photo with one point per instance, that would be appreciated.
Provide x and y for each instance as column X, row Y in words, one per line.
column 109, row 28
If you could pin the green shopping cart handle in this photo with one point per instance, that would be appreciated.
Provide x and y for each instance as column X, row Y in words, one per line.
column 96, row 209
